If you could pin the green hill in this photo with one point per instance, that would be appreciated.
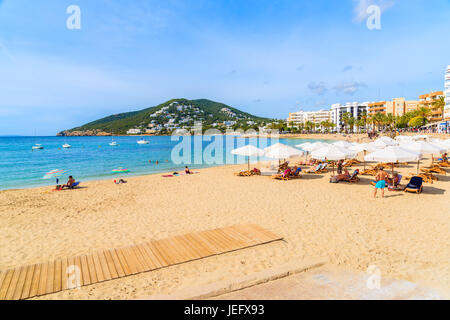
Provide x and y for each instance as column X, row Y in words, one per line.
column 171, row 115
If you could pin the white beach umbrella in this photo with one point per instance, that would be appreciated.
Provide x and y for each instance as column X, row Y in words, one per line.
column 419, row 137
column 363, row 147
column 333, row 152
column 282, row 151
column 393, row 154
column 248, row 151
column 315, row 146
column 386, row 142
column 274, row 146
column 423, row 147
column 342, row 144
column 400, row 138
column 441, row 143
column 303, row 145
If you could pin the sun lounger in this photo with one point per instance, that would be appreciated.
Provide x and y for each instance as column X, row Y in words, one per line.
column 244, row 174
column 396, row 187
column 316, row 169
column 434, row 169
column 443, row 164
column 353, row 178
column 426, row 177
column 415, row 185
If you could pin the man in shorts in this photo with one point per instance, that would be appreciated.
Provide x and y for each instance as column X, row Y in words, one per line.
column 380, row 178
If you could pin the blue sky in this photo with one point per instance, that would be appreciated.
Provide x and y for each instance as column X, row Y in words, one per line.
column 265, row 57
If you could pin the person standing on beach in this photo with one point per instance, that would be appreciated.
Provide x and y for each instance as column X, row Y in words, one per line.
column 380, row 178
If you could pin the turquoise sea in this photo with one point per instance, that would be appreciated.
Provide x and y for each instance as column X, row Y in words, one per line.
column 92, row 158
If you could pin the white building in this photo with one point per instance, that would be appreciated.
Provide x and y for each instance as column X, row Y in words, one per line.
column 134, row 131
column 301, row 117
column 354, row 108
column 447, row 94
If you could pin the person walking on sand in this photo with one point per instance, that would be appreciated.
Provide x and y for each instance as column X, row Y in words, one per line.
column 380, row 178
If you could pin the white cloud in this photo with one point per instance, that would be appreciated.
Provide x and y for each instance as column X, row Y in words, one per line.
column 350, row 87
column 360, row 10
column 318, row 88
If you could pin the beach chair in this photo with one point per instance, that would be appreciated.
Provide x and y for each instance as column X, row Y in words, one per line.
column 75, row 185
column 396, row 187
column 324, row 168
column 244, row 174
column 353, row 178
column 316, row 169
column 434, row 169
column 443, row 164
column 369, row 172
column 415, row 185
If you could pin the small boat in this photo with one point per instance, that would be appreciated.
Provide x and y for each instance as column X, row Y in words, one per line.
column 113, row 143
column 37, row 146
column 142, row 141
column 66, row 146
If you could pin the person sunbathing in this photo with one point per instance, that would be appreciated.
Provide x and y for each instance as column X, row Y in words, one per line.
column 395, row 180
column 69, row 183
column 296, row 170
column 285, row 174
column 344, row 176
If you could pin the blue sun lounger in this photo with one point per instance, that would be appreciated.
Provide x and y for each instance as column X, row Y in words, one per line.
column 415, row 185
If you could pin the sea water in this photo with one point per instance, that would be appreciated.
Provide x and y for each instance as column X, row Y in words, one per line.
column 92, row 158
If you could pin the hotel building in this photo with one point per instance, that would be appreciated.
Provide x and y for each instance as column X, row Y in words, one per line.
column 427, row 100
column 354, row 108
column 302, row 117
column 447, row 94
column 397, row 107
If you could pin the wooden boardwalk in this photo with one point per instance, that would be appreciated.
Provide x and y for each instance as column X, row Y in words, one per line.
column 64, row 274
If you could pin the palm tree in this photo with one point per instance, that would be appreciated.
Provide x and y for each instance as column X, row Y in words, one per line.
column 345, row 119
column 423, row 112
column 439, row 103
column 351, row 123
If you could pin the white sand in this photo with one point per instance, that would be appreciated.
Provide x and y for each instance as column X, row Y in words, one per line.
column 406, row 235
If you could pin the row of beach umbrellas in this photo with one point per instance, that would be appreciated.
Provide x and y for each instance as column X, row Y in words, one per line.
column 384, row 149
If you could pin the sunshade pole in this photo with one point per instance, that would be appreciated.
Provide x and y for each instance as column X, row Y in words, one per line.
column 364, row 160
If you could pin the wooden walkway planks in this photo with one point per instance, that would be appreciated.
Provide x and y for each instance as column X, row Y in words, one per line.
column 64, row 274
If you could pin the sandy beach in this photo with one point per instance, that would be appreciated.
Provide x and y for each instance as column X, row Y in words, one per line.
column 405, row 235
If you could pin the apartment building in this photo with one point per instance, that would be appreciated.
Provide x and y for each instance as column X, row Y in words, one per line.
column 301, row 117
column 397, row 107
column 427, row 100
column 447, row 94
column 354, row 108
